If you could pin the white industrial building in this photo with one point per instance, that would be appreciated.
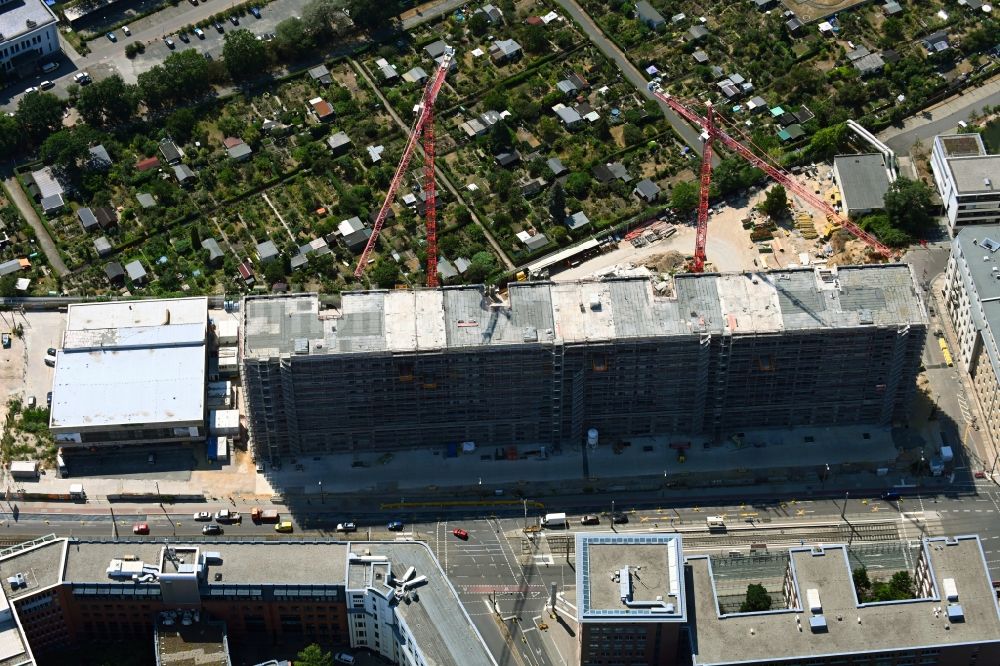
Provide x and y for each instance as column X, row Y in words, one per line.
column 972, row 297
column 967, row 178
column 131, row 372
column 27, row 33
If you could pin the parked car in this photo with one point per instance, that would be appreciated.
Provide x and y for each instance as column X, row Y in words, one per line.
column 81, row 78
column 343, row 658
column 50, row 67
column 183, row 37
column 234, row 20
column 461, row 534
column 255, row 11
column 284, row 526
column 203, row 516
column 980, row 474
column 211, row 529
column 218, row 26
column 194, row 2
column 395, row 526
column 140, row 528
column 590, row 519
column 199, row 33
column 347, row 527
column 128, row 33
column 112, row 36
column 28, row 91
column 619, row 518
column 45, row 85
column 169, row 42
column 48, row 399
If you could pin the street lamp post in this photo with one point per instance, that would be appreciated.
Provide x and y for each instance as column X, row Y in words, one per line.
column 613, row 516
column 322, row 498
column 843, row 511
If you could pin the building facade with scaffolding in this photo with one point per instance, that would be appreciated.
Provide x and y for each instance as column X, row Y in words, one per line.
column 703, row 355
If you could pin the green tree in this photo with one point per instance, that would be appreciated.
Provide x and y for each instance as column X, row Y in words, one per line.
column 478, row 24
column 559, row 234
column 501, row 137
column 776, row 203
column 39, row 114
column 373, row 16
column 325, row 17
column 632, row 135
column 879, row 224
column 181, row 123
column 481, row 266
column 684, row 197
column 385, row 273
column 244, row 55
column 862, row 583
column 533, row 39
column 828, row 141
column 313, row 655
column 10, row 135
column 108, row 102
column 909, row 207
column 68, row 148
column 557, row 203
column 757, row 599
column 292, row 40
column 274, row 271
column 578, row 184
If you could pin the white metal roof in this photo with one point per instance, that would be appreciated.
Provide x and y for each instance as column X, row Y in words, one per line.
column 131, row 363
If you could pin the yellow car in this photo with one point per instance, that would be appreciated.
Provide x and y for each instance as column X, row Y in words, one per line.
column 286, row 526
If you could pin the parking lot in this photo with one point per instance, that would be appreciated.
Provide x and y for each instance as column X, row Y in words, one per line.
column 168, row 463
column 23, row 372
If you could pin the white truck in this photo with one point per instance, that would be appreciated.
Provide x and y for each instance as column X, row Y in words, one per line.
column 554, row 520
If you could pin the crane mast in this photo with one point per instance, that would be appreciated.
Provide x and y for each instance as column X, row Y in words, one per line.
column 422, row 128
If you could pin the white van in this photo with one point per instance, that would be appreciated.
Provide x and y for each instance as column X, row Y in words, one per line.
column 343, row 658
column 715, row 523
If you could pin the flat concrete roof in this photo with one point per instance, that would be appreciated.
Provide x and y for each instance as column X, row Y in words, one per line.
column 131, row 363
column 961, row 145
column 17, row 17
column 976, row 175
column 630, row 578
column 887, row 626
column 588, row 311
column 40, row 562
column 291, row 562
column 863, row 180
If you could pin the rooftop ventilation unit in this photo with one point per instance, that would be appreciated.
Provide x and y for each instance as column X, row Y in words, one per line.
column 990, row 244
column 955, row 613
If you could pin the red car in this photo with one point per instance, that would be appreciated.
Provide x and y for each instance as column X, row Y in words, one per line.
column 980, row 475
column 461, row 534
column 140, row 528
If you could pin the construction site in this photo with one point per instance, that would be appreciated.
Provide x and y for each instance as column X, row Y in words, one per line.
column 598, row 361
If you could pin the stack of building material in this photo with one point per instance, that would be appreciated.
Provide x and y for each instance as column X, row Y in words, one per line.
column 804, row 223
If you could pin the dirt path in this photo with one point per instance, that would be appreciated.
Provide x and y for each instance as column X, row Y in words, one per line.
column 16, row 195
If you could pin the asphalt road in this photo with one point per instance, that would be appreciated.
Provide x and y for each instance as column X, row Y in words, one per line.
column 942, row 118
column 689, row 135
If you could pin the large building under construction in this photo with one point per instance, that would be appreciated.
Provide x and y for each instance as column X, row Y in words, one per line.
column 703, row 355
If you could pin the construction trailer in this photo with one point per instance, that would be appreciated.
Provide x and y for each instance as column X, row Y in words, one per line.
column 706, row 355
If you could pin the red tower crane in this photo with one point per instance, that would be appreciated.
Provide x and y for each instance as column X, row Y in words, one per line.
column 423, row 128
column 710, row 132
